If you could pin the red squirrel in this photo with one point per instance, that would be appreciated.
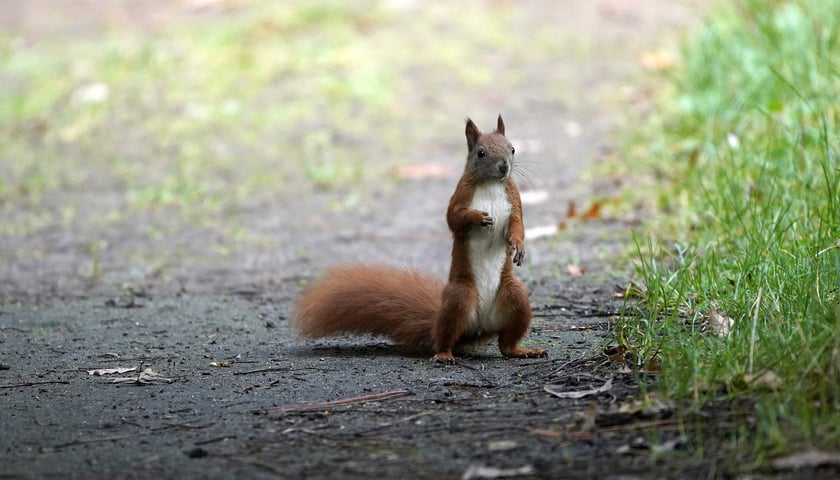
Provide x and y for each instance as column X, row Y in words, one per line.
column 481, row 299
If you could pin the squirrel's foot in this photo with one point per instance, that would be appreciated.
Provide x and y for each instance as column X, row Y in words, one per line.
column 517, row 251
column 444, row 357
column 525, row 353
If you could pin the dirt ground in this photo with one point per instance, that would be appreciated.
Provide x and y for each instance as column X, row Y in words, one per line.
column 230, row 393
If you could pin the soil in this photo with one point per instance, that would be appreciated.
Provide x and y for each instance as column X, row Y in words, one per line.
column 231, row 393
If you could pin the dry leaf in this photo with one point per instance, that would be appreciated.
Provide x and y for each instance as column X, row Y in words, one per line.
column 502, row 445
column 654, row 364
column 650, row 405
column 658, row 60
column 594, row 212
column 97, row 372
column 579, row 393
column 146, row 377
column 575, row 270
column 616, row 353
column 767, row 380
column 720, row 324
column 572, row 211
column 221, row 363
column 481, row 472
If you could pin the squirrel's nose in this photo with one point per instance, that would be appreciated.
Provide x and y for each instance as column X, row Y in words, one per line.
column 504, row 168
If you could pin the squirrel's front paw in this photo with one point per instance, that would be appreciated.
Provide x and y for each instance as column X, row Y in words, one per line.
column 517, row 251
column 487, row 220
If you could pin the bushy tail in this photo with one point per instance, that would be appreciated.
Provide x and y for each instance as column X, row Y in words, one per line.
column 400, row 304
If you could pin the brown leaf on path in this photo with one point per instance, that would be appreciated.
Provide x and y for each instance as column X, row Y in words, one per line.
column 575, row 270
column 719, row 324
column 572, row 211
column 594, row 212
column 616, row 353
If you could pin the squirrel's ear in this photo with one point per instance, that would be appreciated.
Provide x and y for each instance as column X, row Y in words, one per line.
column 472, row 134
column 500, row 125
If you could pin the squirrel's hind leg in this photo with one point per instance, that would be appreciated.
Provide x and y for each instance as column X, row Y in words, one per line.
column 514, row 306
column 459, row 302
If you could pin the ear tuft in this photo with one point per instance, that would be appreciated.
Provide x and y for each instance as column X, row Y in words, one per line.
column 500, row 125
column 472, row 133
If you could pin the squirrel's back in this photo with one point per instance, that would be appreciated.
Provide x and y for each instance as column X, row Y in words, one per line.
column 397, row 303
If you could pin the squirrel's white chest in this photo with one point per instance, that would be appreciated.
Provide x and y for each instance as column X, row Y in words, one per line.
column 488, row 248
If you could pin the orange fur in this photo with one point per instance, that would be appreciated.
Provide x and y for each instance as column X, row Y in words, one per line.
column 400, row 304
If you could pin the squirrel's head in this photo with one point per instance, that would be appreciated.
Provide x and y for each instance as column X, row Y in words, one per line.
column 490, row 155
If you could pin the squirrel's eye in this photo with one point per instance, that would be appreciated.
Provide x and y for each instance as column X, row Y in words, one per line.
column 480, row 153
column 512, row 150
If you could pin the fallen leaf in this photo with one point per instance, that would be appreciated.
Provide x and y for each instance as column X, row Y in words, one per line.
column 658, row 60
column 651, row 404
column 594, row 212
column 575, row 270
column 146, row 377
column 221, row 363
column 92, row 93
column 502, row 445
column 616, row 353
column 720, row 324
column 575, row 394
column 572, row 210
column 97, row 372
column 766, row 380
column 654, row 364
column 482, row 472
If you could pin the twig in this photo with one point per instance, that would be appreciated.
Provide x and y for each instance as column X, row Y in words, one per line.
column 261, row 370
column 305, row 407
column 151, row 431
column 32, row 384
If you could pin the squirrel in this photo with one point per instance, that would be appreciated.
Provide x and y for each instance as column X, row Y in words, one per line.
column 481, row 299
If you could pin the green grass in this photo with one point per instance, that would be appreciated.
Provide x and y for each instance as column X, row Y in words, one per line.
column 744, row 158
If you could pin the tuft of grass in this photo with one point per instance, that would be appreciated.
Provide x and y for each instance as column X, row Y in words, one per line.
column 744, row 157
